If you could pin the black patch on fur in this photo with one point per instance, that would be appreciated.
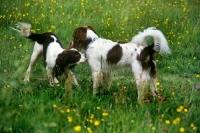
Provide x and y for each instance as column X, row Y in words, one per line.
column 122, row 42
column 44, row 39
column 80, row 40
column 114, row 55
column 147, row 60
column 67, row 58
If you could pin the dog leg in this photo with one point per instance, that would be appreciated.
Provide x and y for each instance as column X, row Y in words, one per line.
column 141, row 87
column 55, row 80
column 107, row 78
column 142, row 78
column 50, row 76
column 74, row 81
column 32, row 62
column 153, row 86
column 35, row 55
column 96, row 77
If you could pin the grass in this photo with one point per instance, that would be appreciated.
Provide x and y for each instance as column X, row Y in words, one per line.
column 36, row 107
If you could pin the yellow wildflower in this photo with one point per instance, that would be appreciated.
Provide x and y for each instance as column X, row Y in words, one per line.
column 185, row 110
column 68, row 110
column 176, row 121
column 69, row 119
column 58, row 84
column 178, row 110
column 192, row 125
column 92, row 116
column 105, row 114
column 157, row 83
column 194, row 128
column 181, row 107
column 182, row 129
column 198, row 76
column 54, row 105
column 89, row 130
column 77, row 128
column 61, row 111
column 96, row 122
column 153, row 128
column 167, row 122
column 132, row 121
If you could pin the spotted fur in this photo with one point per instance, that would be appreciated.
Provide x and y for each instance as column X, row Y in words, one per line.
column 104, row 55
column 50, row 45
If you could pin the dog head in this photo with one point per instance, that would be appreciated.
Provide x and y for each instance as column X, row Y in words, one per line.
column 82, row 36
column 68, row 58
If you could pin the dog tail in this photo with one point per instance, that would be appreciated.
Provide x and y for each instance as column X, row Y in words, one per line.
column 25, row 31
column 160, row 42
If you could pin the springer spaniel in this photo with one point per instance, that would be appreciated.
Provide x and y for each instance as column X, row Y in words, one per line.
column 105, row 55
column 58, row 59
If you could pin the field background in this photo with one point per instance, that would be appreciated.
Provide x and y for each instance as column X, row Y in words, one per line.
column 37, row 108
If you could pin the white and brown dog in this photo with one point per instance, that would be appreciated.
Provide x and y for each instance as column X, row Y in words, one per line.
column 58, row 59
column 105, row 55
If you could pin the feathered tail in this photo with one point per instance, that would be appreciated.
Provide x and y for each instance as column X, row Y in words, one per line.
column 160, row 42
column 24, row 29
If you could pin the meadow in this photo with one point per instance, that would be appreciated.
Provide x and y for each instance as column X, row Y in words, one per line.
column 37, row 108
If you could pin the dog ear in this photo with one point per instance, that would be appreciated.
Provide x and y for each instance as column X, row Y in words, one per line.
column 79, row 37
column 61, row 63
column 91, row 28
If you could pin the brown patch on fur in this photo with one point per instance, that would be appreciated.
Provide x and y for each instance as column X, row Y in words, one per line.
column 80, row 40
column 67, row 58
column 114, row 55
column 147, row 60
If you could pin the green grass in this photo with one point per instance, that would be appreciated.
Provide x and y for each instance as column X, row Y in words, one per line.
column 36, row 107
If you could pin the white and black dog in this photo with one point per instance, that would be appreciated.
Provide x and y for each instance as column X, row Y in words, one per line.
column 105, row 55
column 58, row 59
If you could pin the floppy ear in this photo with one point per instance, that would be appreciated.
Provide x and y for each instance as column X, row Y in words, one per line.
column 61, row 63
column 91, row 28
column 79, row 37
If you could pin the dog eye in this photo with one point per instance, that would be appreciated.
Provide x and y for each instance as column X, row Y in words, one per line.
column 77, row 55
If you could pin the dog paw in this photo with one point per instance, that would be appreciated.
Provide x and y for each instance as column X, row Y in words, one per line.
column 55, row 80
column 26, row 80
column 95, row 91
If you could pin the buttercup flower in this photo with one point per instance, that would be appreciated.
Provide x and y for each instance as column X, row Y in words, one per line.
column 89, row 130
column 157, row 83
column 176, row 121
column 105, row 114
column 167, row 122
column 68, row 110
column 192, row 125
column 69, row 119
column 54, row 105
column 132, row 121
column 96, row 122
column 98, row 107
column 153, row 128
column 182, row 129
column 77, row 128
column 185, row 110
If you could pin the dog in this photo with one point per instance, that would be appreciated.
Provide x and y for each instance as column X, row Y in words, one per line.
column 104, row 56
column 58, row 60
